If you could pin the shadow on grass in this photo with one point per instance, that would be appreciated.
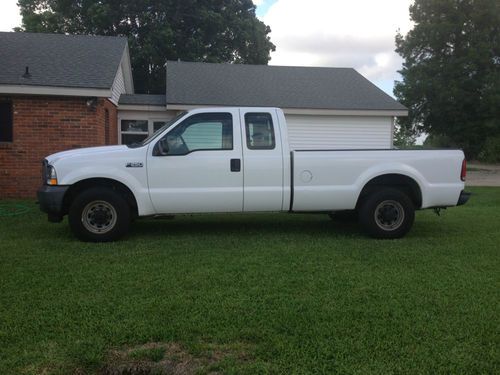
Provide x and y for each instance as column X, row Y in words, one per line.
column 224, row 228
column 242, row 226
column 255, row 226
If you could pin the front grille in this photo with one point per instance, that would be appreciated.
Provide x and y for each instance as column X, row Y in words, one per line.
column 45, row 168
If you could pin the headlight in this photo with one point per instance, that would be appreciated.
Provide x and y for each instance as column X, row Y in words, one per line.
column 51, row 175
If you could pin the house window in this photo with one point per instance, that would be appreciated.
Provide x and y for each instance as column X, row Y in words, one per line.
column 158, row 124
column 133, row 131
column 6, row 122
column 259, row 131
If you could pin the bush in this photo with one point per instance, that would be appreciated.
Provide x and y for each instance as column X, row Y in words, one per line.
column 439, row 141
column 491, row 150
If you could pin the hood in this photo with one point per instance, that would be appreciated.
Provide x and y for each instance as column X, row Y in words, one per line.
column 82, row 152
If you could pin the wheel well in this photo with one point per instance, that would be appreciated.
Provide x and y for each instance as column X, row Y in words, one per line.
column 396, row 181
column 82, row 185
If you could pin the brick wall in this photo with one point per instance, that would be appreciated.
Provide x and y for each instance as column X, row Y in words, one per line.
column 44, row 125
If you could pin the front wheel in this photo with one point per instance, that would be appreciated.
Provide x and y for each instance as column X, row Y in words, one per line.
column 387, row 213
column 99, row 214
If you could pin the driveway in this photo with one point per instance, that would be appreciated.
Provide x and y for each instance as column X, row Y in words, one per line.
column 483, row 174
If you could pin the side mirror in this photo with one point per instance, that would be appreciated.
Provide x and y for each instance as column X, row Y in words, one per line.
column 161, row 148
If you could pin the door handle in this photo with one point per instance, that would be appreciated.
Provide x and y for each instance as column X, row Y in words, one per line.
column 235, row 165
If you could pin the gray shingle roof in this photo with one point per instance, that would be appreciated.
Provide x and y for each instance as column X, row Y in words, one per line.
column 273, row 86
column 142, row 99
column 60, row 60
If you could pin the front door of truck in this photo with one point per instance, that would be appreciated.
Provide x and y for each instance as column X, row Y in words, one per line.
column 197, row 165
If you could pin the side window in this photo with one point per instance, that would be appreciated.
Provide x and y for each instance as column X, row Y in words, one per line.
column 259, row 131
column 204, row 131
column 6, row 122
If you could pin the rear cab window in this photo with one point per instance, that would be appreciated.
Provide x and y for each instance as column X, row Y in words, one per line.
column 259, row 131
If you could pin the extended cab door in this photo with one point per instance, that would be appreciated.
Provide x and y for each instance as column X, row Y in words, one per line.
column 263, row 160
column 196, row 166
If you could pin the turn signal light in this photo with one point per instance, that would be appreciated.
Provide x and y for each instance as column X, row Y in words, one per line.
column 51, row 175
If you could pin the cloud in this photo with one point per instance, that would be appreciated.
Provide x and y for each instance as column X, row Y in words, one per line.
column 258, row 2
column 338, row 33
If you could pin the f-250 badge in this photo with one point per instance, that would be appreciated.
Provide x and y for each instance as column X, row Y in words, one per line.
column 136, row 164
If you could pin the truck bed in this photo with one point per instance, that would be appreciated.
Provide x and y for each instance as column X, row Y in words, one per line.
column 329, row 180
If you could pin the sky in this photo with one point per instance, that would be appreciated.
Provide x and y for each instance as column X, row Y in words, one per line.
column 9, row 15
column 338, row 33
column 332, row 33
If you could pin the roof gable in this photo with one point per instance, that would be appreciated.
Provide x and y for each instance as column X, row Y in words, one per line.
column 58, row 60
column 274, row 86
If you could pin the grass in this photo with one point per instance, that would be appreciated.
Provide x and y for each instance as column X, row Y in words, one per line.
column 282, row 293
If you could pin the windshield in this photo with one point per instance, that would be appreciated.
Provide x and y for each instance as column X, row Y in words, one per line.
column 158, row 132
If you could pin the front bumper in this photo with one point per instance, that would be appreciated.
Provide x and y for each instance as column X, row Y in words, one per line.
column 51, row 199
column 463, row 198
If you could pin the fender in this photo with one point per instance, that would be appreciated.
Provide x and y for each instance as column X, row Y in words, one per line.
column 391, row 168
column 438, row 190
column 139, row 191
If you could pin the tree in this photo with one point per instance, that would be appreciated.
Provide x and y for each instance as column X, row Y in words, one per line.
column 451, row 71
column 157, row 30
column 404, row 136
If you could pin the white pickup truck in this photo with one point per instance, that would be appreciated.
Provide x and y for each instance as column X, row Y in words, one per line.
column 239, row 160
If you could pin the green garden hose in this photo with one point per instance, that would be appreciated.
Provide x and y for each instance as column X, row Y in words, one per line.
column 13, row 209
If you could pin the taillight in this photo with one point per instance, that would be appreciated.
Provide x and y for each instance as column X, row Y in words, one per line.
column 463, row 173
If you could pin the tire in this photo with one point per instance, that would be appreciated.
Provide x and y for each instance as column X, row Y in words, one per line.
column 387, row 213
column 347, row 216
column 99, row 214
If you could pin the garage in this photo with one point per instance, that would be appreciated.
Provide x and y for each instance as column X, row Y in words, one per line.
column 339, row 132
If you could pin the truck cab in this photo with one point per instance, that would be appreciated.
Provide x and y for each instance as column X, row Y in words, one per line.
column 219, row 160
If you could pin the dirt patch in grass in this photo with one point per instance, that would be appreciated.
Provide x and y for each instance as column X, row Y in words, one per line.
column 170, row 359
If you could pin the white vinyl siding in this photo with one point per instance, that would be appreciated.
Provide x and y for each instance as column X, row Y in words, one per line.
column 312, row 132
column 118, row 86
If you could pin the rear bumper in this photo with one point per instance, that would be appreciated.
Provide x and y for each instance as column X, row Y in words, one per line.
column 50, row 199
column 463, row 198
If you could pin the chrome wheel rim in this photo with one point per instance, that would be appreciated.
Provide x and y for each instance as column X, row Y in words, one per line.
column 389, row 215
column 99, row 217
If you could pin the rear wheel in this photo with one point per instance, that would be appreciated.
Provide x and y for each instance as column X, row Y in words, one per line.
column 99, row 214
column 387, row 213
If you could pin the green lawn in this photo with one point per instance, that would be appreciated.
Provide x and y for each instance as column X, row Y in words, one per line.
column 270, row 293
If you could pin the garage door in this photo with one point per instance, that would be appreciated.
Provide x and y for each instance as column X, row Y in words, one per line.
column 307, row 132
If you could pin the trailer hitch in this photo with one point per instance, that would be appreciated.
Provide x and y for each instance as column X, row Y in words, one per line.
column 437, row 210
